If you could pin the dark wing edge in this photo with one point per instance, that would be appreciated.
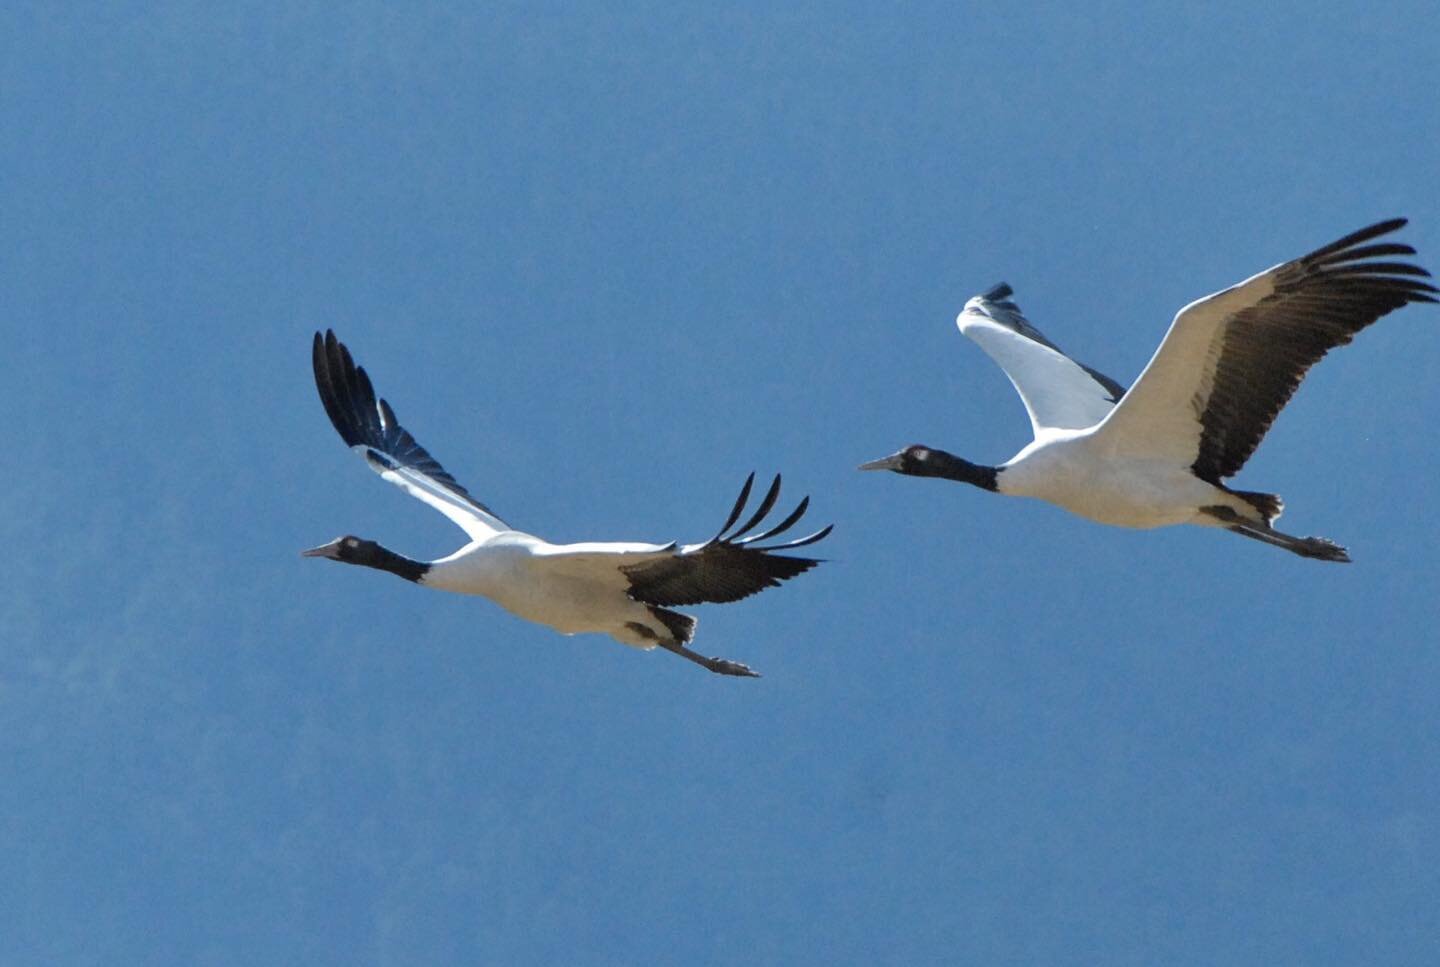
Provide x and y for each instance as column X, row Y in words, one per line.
column 362, row 420
column 1320, row 301
column 1006, row 311
column 731, row 565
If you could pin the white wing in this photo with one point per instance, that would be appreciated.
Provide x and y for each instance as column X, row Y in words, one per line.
column 1058, row 392
column 1233, row 359
column 370, row 428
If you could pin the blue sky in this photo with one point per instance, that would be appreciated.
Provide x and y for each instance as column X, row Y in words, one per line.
column 604, row 262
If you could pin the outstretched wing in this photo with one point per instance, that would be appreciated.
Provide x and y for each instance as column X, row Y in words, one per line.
column 1058, row 392
column 729, row 566
column 1233, row 359
column 369, row 427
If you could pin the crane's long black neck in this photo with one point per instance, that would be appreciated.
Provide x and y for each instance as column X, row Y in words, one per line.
column 922, row 461
column 355, row 550
column 947, row 465
column 387, row 560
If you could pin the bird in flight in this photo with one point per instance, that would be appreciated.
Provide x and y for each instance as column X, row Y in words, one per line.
column 1159, row 453
column 625, row 590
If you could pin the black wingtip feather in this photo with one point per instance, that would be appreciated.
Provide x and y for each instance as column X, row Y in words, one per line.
column 737, row 509
column 1320, row 301
column 363, row 420
column 819, row 535
column 728, row 567
column 766, row 502
column 1356, row 237
column 1378, row 250
column 781, row 527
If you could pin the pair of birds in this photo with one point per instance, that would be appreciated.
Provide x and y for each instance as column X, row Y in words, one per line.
column 1152, row 456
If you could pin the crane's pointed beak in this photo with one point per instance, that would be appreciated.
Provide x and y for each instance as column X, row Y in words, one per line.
column 331, row 550
column 891, row 462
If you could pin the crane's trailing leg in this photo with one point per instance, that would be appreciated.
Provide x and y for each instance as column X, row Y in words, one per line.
column 1319, row 548
column 720, row 666
column 682, row 630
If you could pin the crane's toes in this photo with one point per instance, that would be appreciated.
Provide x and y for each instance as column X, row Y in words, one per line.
column 724, row 666
column 1324, row 549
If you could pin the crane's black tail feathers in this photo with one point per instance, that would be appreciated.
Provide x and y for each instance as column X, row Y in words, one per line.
column 680, row 626
column 1270, row 506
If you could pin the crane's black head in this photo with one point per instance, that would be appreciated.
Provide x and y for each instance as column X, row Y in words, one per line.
column 917, row 460
column 356, row 550
column 348, row 549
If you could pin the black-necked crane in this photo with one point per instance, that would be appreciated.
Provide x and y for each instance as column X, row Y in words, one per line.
column 625, row 590
column 1158, row 454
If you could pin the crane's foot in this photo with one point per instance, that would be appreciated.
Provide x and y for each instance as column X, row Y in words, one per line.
column 724, row 666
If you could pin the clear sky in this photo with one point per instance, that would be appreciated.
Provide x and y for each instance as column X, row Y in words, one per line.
column 605, row 260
